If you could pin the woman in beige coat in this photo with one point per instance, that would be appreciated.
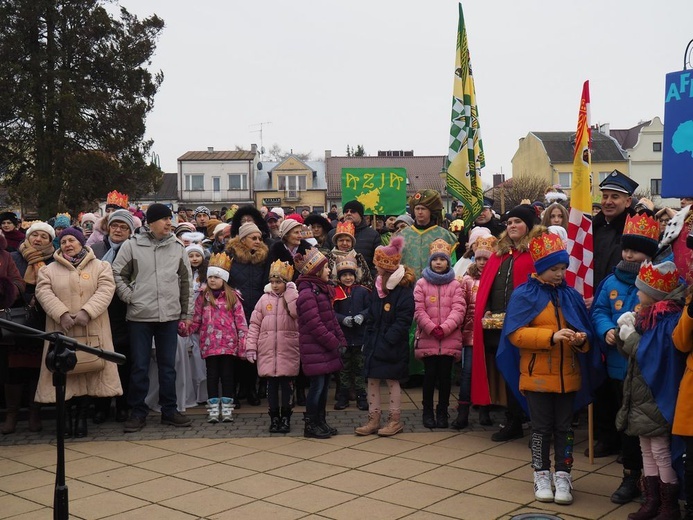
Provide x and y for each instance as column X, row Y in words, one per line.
column 75, row 291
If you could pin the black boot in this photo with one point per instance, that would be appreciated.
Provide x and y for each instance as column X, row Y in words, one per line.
column 442, row 416
column 312, row 429
column 628, row 490
column 342, row 399
column 285, row 420
column 462, row 419
column 81, row 412
column 362, row 401
column 274, row 421
column 485, row 416
column 429, row 421
column 322, row 418
column 512, row 430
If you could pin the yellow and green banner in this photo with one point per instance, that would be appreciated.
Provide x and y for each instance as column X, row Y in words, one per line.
column 382, row 191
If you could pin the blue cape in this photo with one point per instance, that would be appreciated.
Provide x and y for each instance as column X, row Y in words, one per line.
column 526, row 302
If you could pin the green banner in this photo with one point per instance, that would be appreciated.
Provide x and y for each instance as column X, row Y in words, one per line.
column 382, row 191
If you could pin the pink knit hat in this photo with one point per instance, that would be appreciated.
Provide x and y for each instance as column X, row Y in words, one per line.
column 477, row 233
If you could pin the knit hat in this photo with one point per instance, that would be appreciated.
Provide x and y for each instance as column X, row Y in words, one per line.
column 278, row 211
column 286, row 226
column 477, row 233
column 62, row 220
column 429, row 198
column 294, row 216
column 158, row 211
column 657, row 280
column 406, row 219
column 74, row 232
column 281, row 270
column 439, row 248
column 641, row 233
column 311, row 263
column 219, row 265
column 201, row 209
column 122, row 215
column 194, row 237
column 8, row 215
column 355, row 206
column 195, row 247
column 185, row 227
column 213, row 222
column 547, row 250
column 346, row 264
column 524, row 212
column 87, row 217
column 388, row 257
column 219, row 228
column 345, row 229
column 39, row 225
column 485, row 246
column 247, row 229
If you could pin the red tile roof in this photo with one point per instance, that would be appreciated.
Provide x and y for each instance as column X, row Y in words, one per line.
column 221, row 155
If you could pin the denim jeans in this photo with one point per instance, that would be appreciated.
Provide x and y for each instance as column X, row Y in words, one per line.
column 165, row 340
column 466, row 376
column 316, row 400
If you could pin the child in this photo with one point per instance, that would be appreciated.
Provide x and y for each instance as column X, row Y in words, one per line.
column 548, row 325
column 386, row 349
column 351, row 305
column 273, row 342
column 439, row 313
column 344, row 241
column 219, row 318
column 484, row 247
column 652, row 382
column 198, row 264
column 320, row 338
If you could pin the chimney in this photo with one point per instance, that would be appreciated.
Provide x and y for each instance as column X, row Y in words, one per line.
column 253, row 149
column 605, row 129
column 328, row 154
column 210, row 149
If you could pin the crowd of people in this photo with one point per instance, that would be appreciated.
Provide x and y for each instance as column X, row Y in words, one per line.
column 278, row 305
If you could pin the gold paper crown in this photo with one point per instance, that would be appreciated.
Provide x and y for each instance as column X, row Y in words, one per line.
column 663, row 277
column 117, row 199
column 220, row 260
column 345, row 228
column 456, row 225
column 388, row 257
column 642, row 225
column 283, row 270
column 439, row 246
column 486, row 243
column 544, row 245
column 308, row 262
column 69, row 217
column 346, row 263
column 306, row 232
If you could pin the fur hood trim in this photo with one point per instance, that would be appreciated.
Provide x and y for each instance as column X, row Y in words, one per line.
column 240, row 253
column 505, row 245
column 257, row 217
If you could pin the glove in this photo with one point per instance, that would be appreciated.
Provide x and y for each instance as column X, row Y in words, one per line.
column 251, row 355
column 358, row 319
column 66, row 321
column 626, row 324
column 182, row 329
column 290, row 285
column 82, row 318
column 348, row 321
column 438, row 332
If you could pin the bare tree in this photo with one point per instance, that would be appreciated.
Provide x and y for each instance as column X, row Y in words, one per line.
column 512, row 192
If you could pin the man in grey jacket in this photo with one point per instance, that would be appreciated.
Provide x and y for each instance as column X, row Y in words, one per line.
column 153, row 278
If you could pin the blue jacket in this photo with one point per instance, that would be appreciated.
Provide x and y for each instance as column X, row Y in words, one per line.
column 616, row 295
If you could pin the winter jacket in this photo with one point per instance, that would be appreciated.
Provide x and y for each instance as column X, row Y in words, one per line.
column 367, row 239
column 352, row 301
column 11, row 282
column 117, row 310
column 278, row 251
column 363, row 272
column 222, row 331
column 616, row 295
column 386, row 350
column 273, row 334
column 607, row 243
column 470, row 286
column 249, row 272
column 62, row 288
column 154, row 278
column 683, row 341
column 320, row 335
column 546, row 366
column 443, row 306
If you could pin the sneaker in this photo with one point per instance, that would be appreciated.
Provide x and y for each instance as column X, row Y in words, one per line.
column 542, row 486
column 134, row 424
column 177, row 419
column 563, row 484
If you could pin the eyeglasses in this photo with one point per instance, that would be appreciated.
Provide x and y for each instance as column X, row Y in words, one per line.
column 254, row 239
column 121, row 227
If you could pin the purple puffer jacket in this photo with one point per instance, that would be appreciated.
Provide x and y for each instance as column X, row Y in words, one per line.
column 439, row 305
column 319, row 333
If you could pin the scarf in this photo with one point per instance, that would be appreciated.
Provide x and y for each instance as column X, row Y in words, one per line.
column 438, row 278
column 647, row 317
column 77, row 259
column 321, row 284
column 36, row 258
column 628, row 267
column 110, row 255
column 392, row 281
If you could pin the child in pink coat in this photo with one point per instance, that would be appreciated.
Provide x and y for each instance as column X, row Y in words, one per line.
column 273, row 342
column 439, row 313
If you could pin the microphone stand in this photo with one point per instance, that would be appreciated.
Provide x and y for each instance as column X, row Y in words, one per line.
column 60, row 360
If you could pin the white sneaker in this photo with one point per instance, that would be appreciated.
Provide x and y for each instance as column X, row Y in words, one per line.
column 563, row 483
column 213, row 410
column 542, row 486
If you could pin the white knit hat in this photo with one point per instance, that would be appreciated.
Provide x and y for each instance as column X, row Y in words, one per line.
column 39, row 225
column 195, row 247
column 278, row 211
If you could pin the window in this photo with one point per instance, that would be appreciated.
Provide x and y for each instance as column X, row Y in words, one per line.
column 216, row 184
column 602, row 176
column 238, row 181
column 292, row 182
column 318, row 209
column 565, row 179
column 194, row 182
column 656, row 147
column 655, row 186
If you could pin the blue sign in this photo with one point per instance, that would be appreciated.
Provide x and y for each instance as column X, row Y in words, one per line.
column 677, row 148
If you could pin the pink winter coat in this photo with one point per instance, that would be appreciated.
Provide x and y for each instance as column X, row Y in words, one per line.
column 441, row 305
column 273, row 333
column 470, row 287
column 222, row 331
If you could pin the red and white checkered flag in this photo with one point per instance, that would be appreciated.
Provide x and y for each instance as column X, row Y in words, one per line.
column 580, row 273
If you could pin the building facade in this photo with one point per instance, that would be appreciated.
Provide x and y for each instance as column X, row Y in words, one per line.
column 291, row 184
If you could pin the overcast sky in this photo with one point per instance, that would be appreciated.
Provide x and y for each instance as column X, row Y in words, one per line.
column 379, row 72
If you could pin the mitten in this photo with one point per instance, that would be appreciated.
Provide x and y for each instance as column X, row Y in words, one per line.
column 348, row 321
column 290, row 285
column 438, row 332
column 358, row 319
column 82, row 318
column 251, row 355
column 626, row 323
column 66, row 321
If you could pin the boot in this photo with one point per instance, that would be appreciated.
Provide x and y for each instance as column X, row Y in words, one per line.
column 512, row 430
column 342, row 400
column 312, row 429
column 13, row 400
column 81, row 412
column 669, row 497
column 322, row 417
column 362, row 401
column 462, row 419
column 213, row 410
column 274, row 420
column 35, row 417
column 285, row 420
column 442, row 416
column 372, row 426
column 428, row 419
column 628, row 490
column 485, row 416
column 227, row 406
column 393, row 426
column 649, row 508
column 300, row 396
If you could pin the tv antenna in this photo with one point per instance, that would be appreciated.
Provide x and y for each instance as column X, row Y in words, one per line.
column 262, row 148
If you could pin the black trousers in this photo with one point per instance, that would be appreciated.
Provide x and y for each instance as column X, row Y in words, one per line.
column 220, row 368
column 437, row 369
column 274, row 385
column 551, row 414
column 608, row 400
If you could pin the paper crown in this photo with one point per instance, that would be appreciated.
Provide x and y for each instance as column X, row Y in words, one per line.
column 657, row 280
column 346, row 263
column 219, row 265
column 283, row 270
column 456, row 225
column 641, row 233
column 485, row 246
column 439, row 247
column 547, row 250
column 388, row 257
column 310, row 262
column 117, row 199
column 345, row 228
column 306, row 232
